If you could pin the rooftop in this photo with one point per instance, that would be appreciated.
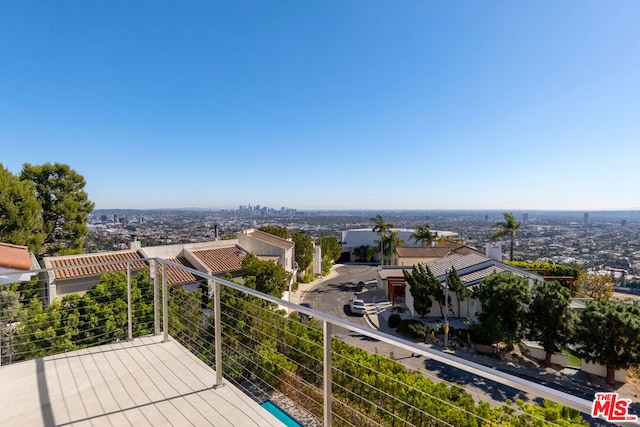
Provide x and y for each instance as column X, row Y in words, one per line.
column 14, row 257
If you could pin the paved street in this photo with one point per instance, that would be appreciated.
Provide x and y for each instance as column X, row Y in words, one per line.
column 332, row 296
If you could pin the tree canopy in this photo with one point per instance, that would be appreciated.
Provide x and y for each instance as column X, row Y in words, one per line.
column 381, row 227
column 276, row 230
column 504, row 298
column 550, row 318
column 303, row 250
column 507, row 227
column 65, row 205
column 595, row 285
column 609, row 333
column 264, row 276
column 330, row 246
column 20, row 219
column 423, row 235
column 423, row 285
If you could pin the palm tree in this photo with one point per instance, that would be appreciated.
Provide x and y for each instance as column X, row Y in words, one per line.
column 382, row 228
column 390, row 244
column 423, row 235
column 508, row 226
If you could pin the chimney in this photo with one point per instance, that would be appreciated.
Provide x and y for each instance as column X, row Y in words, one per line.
column 494, row 251
column 135, row 244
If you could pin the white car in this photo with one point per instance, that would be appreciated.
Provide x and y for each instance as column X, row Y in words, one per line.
column 357, row 306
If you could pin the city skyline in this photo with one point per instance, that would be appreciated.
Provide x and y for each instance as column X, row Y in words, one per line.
column 328, row 106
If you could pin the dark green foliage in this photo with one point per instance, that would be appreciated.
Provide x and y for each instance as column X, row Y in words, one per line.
column 330, row 246
column 65, row 205
column 457, row 287
column 550, row 318
column 413, row 329
column 504, row 298
column 609, row 333
column 394, row 319
column 508, row 227
column 423, row 285
column 264, row 276
column 99, row 316
column 423, row 235
column 303, row 251
column 547, row 269
column 20, row 220
column 282, row 232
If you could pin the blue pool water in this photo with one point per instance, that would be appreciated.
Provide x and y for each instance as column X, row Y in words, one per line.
column 280, row 414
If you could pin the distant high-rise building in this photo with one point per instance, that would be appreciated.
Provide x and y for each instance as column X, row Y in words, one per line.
column 525, row 217
column 623, row 222
column 586, row 218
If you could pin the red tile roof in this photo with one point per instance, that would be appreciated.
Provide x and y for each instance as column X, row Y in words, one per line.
column 79, row 267
column 222, row 260
column 270, row 238
column 422, row 252
column 14, row 257
column 439, row 251
column 178, row 276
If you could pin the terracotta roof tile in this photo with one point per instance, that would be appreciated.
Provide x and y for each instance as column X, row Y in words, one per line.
column 422, row 252
column 79, row 268
column 178, row 276
column 14, row 257
column 270, row 238
column 222, row 260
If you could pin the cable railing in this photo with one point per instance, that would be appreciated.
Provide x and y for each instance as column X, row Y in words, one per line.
column 251, row 341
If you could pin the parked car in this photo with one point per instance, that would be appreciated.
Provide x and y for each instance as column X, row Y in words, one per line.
column 305, row 316
column 356, row 306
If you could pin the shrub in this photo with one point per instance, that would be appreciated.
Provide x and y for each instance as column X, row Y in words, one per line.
column 394, row 320
column 413, row 329
column 397, row 308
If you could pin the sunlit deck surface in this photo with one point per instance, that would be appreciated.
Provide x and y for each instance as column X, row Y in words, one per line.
column 140, row 383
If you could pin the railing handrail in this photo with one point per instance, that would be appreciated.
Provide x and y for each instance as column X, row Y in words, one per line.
column 329, row 320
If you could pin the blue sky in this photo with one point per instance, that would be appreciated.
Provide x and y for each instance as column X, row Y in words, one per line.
column 328, row 104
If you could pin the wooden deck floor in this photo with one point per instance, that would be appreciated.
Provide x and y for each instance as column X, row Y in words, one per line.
column 140, row 383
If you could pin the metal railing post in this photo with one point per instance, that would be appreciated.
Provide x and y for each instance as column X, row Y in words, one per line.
column 129, row 315
column 327, row 359
column 217, row 319
column 156, row 299
column 165, row 305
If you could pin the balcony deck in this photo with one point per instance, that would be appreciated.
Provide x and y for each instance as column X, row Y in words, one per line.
column 138, row 383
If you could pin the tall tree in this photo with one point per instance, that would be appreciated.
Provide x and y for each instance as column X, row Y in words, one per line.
column 504, row 298
column 382, row 228
column 422, row 235
column 303, row 250
column 420, row 286
column 276, row 230
column 594, row 285
column 330, row 246
column 65, row 205
column 264, row 276
column 457, row 287
column 507, row 227
column 20, row 221
column 390, row 243
column 609, row 333
column 550, row 318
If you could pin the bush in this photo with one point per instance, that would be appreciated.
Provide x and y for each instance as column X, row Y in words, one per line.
column 413, row 329
column 480, row 335
column 394, row 320
column 397, row 308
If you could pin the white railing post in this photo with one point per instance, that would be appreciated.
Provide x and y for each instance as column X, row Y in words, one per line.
column 129, row 316
column 156, row 299
column 327, row 373
column 217, row 323
column 165, row 305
